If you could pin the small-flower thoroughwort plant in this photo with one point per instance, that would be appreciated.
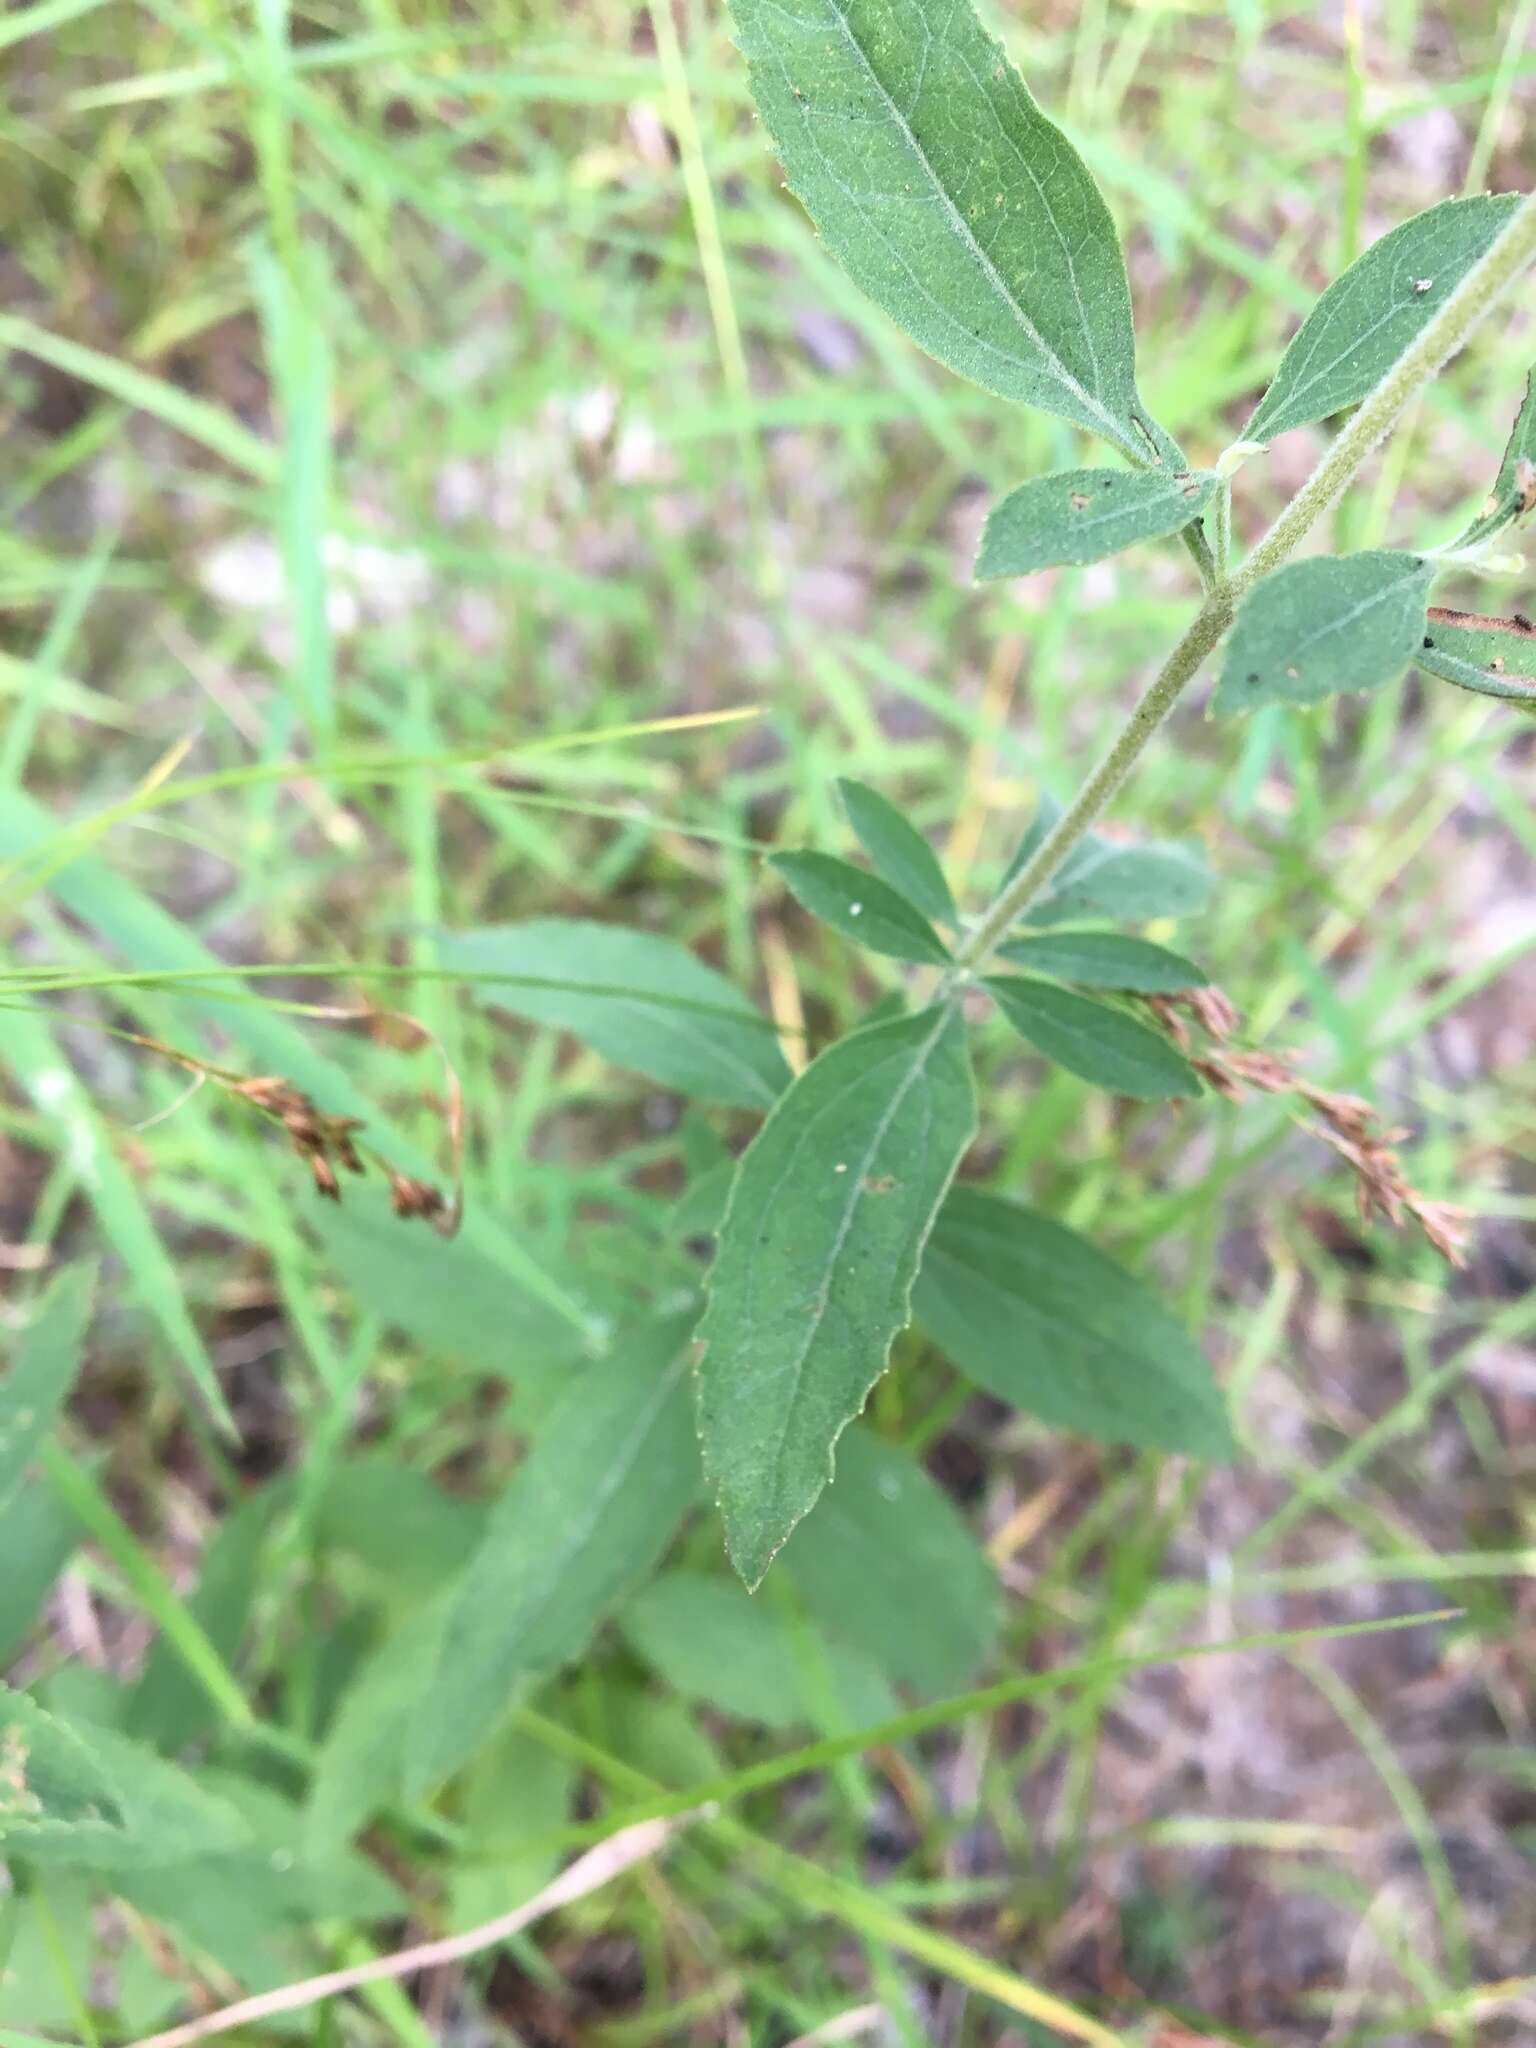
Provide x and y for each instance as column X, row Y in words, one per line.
column 951, row 199
column 967, row 216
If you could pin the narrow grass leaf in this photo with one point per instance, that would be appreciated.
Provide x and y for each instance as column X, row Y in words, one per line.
column 830, row 1208
column 1331, row 623
column 862, row 906
column 199, row 421
column 899, row 851
column 598, row 1498
column 84, row 1140
column 1371, row 315
column 1082, row 515
column 1042, row 1319
column 1491, row 657
column 299, row 362
column 951, row 200
column 886, row 1564
column 42, row 1370
column 1105, row 960
column 641, row 1000
column 1093, row 1040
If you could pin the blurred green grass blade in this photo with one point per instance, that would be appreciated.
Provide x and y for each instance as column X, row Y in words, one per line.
column 86, row 1143
column 38, row 20
column 206, row 424
column 79, row 1490
column 40, row 685
column 299, row 362
column 42, row 1370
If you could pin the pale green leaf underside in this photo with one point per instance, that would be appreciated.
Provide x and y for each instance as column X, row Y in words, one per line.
column 885, row 1563
column 641, row 1000
column 831, row 1204
column 711, row 1641
column 1116, row 878
column 1093, row 1040
column 1313, row 628
column 1044, row 1321
column 1491, row 660
column 1105, row 960
column 951, row 200
column 1368, row 317
column 1082, row 515
column 861, row 906
column 590, row 1510
column 899, row 851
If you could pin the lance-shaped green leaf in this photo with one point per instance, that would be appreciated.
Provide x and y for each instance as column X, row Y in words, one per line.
column 899, row 851
column 887, row 1564
column 1372, row 314
column 1313, row 628
column 1043, row 1320
column 587, row 1515
column 1093, row 1040
column 1082, row 515
column 831, row 1204
column 1493, row 657
column 1105, row 960
column 641, row 1000
column 1128, row 879
column 862, row 906
column 44, row 1364
column 952, row 201
column 711, row 1641
column 1514, row 490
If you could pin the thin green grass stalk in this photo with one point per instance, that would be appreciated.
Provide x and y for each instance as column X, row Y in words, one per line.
column 1517, row 44
column 1405, row 1796
column 717, row 281
column 158, row 1599
column 818, row 1755
column 68, row 842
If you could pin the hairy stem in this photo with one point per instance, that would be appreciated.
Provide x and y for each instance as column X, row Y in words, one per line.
column 1440, row 339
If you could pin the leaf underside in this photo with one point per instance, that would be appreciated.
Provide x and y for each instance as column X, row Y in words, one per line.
column 1082, row 515
column 1314, row 628
column 830, row 1208
column 952, row 201
column 1046, row 1322
column 1368, row 317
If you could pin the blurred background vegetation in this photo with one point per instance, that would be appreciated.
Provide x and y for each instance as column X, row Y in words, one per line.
column 397, row 378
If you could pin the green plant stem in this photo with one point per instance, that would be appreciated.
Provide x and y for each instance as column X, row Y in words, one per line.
column 1440, row 339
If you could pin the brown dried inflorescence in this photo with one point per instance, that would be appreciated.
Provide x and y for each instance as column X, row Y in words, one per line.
column 327, row 1143
column 1348, row 1123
